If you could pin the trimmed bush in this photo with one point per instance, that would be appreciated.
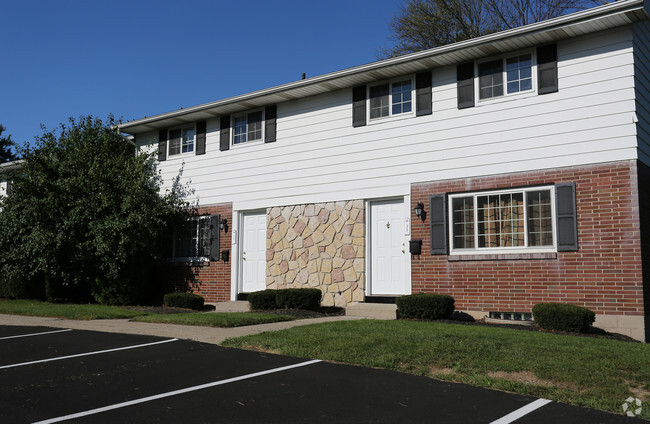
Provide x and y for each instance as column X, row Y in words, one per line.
column 298, row 298
column 563, row 317
column 425, row 306
column 183, row 300
column 262, row 300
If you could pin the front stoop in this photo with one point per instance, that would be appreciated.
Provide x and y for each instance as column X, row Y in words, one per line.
column 372, row 310
column 232, row 306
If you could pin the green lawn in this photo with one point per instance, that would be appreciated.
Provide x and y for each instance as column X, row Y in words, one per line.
column 215, row 319
column 591, row 372
column 67, row 311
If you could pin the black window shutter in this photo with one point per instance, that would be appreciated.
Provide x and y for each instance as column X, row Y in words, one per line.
column 224, row 137
column 200, row 137
column 162, row 145
column 465, row 84
column 423, row 94
column 214, row 237
column 567, row 220
column 547, row 69
column 270, row 123
column 438, row 224
column 8, row 187
column 359, row 106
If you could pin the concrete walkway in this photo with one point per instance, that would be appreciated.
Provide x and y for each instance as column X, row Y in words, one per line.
column 189, row 332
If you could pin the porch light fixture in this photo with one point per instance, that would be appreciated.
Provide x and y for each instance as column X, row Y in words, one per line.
column 223, row 225
column 419, row 211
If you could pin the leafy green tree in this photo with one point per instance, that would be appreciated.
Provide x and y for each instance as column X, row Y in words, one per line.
column 86, row 218
column 424, row 24
column 6, row 146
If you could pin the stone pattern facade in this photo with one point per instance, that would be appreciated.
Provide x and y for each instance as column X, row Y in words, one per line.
column 318, row 245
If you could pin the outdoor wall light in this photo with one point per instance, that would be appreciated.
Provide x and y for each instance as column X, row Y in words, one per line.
column 419, row 211
column 223, row 225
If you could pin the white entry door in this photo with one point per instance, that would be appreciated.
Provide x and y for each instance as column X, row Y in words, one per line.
column 253, row 252
column 388, row 248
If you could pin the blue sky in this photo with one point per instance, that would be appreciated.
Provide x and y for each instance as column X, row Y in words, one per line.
column 67, row 58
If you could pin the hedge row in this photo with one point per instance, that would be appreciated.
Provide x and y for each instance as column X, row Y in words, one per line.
column 285, row 299
column 183, row 300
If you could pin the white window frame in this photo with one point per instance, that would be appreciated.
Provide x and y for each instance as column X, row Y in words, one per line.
column 182, row 128
column 235, row 117
column 504, row 72
column 391, row 115
column 198, row 219
column 501, row 250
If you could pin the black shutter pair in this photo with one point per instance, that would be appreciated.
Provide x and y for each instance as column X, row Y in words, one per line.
column 200, row 141
column 423, row 98
column 270, row 127
column 566, row 220
column 546, row 76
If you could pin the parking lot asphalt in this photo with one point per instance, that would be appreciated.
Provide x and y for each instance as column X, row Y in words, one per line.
column 61, row 375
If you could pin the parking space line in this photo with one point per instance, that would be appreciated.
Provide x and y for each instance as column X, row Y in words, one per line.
column 173, row 393
column 525, row 410
column 35, row 334
column 97, row 352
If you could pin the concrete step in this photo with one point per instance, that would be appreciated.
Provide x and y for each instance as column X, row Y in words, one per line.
column 372, row 310
column 232, row 306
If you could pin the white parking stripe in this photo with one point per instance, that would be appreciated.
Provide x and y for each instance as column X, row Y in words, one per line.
column 35, row 334
column 173, row 393
column 525, row 410
column 85, row 354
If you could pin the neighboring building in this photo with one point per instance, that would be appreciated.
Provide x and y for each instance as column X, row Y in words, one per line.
column 5, row 182
column 528, row 150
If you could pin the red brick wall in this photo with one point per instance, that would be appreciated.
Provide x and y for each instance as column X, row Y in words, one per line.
column 208, row 279
column 605, row 274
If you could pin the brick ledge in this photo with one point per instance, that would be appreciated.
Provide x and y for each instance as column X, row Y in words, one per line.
column 503, row 257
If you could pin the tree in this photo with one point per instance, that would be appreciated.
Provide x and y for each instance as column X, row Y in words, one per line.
column 6, row 144
column 424, row 24
column 86, row 217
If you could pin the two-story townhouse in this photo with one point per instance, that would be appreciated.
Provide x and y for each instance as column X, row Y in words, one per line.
column 506, row 170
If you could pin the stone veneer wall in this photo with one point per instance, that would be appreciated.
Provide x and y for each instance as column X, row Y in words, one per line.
column 318, row 245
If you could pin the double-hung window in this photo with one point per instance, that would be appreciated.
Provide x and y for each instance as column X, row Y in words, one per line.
column 505, row 76
column 503, row 220
column 247, row 128
column 181, row 140
column 193, row 238
column 391, row 98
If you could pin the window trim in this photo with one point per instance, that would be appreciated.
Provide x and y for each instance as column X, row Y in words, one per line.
column 198, row 257
column 171, row 155
column 501, row 250
column 390, row 82
column 504, row 72
column 246, row 114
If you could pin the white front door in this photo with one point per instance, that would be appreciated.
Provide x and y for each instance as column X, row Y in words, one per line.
column 253, row 252
column 388, row 248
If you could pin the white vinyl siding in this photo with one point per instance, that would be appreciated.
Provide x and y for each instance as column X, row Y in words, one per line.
column 320, row 157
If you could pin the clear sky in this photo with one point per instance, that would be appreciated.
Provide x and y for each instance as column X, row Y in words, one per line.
column 67, row 58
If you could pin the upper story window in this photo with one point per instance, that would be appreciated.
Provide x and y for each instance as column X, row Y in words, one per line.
column 248, row 127
column 505, row 76
column 392, row 98
column 181, row 140
column 503, row 220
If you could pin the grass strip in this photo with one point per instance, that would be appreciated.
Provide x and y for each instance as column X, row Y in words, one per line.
column 590, row 372
column 215, row 319
column 67, row 311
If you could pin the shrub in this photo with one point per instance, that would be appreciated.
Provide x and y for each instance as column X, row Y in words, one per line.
column 298, row 298
column 563, row 317
column 183, row 300
column 425, row 306
column 261, row 300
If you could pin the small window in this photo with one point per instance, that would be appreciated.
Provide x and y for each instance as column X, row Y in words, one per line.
column 181, row 140
column 516, row 71
column 390, row 99
column 506, row 220
column 192, row 239
column 248, row 127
